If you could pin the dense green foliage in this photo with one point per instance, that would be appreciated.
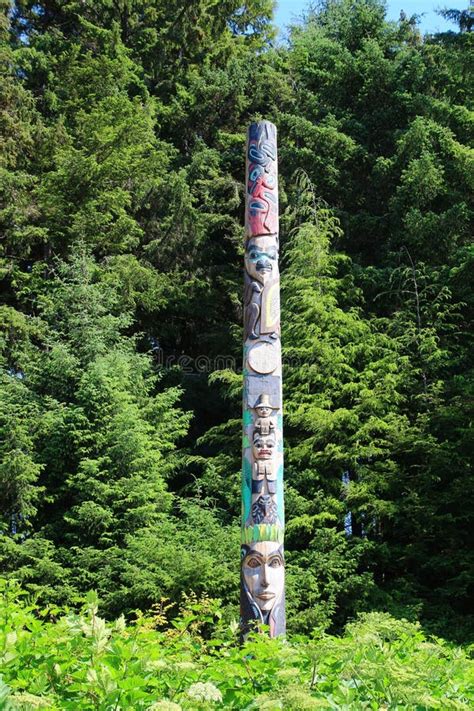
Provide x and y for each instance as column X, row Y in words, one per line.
column 121, row 162
column 82, row 662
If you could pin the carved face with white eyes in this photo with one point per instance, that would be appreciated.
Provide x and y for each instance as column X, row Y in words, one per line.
column 263, row 569
column 261, row 257
column 263, row 447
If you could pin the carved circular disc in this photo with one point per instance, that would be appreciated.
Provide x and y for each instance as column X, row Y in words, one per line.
column 263, row 357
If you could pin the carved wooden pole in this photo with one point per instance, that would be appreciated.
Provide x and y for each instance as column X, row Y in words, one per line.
column 262, row 598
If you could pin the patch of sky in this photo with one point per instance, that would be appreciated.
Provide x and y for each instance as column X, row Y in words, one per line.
column 288, row 12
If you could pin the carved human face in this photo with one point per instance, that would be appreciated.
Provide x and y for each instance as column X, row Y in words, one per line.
column 263, row 446
column 263, row 571
column 261, row 257
column 263, row 411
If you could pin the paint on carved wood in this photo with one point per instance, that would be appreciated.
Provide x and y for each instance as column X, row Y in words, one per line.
column 263, row 586
column 262, row 180
column 262, row 579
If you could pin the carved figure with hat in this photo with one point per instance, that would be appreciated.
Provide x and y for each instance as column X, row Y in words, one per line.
column 264, row 424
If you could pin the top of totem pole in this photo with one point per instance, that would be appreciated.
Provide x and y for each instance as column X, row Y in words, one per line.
column 261, row 214
column 263, row 125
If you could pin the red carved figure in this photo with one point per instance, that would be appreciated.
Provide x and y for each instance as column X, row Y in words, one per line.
column 262, row 216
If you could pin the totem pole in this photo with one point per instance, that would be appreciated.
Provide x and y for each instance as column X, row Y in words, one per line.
column 262, row 592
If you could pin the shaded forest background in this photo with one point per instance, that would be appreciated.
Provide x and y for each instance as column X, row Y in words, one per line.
column 123, row 131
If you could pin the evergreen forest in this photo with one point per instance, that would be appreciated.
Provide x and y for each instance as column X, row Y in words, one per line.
column 123, row 128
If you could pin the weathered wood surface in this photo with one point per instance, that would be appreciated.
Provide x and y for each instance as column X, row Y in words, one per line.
column 262, row 567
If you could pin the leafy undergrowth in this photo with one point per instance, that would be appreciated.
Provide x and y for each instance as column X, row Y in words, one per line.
column 53, row 659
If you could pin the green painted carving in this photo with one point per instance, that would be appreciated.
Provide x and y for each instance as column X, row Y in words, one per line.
column 247, row 418
column 262, row 532
column 246, row 488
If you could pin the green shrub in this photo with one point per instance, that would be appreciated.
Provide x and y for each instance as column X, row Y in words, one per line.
column 57, row 659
